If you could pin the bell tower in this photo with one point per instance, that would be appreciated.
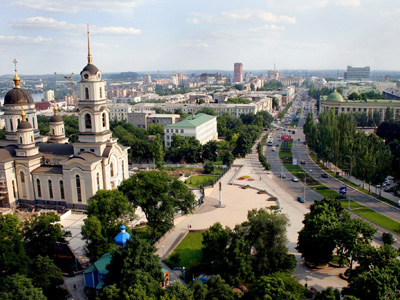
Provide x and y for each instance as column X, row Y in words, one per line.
column 93, row 114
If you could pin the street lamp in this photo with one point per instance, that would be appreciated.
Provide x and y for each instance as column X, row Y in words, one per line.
column 351, row 164
column 184, row 275
column 306, row 285
column 163, row 257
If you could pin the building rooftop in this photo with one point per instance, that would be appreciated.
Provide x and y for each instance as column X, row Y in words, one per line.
column 192, row 121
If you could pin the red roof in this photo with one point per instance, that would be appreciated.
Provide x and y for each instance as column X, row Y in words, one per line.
column 42, row 105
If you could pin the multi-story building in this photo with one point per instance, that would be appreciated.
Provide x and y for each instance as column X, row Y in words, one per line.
column 357, row 73
column 119, row 112
column 335, row 101
column 203, row 127
column 147, row 79
column 139, row 118
column 48, row 95
column 238, row 72
column 392, row 93
column 161, row 119
column 291, row 80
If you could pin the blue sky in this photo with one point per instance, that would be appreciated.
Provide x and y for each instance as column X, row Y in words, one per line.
column 47, row 36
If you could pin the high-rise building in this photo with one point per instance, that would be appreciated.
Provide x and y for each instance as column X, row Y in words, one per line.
column 238, row 72
column 357, row 73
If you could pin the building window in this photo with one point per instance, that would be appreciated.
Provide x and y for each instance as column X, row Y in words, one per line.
column 62, row 194
column 39, row 190
column 88, row 121
column 50, row 189
column 112, row 169
column 123, row 170
column 181, row 130
column 78, row 188
column 11, row 125
column 53, row 131
column 91, row 150
column 98, row 181
column 32, row 138
column 14, row 190
column 20, row 139
column 104, row 120
column 101, row 93
column 22, row 175
column 167, row 130
column 86, row 93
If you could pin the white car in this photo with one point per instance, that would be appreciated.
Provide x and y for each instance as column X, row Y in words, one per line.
column 294, row 179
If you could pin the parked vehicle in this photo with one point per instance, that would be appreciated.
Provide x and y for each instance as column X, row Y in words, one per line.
column 324, row 175
column 300, row 199
column 294, row 179
column 302, row 162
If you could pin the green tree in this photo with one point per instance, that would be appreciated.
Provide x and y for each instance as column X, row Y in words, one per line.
column 154, row 129
column 49, row 278
column 43, row 124
column 135, row 269
column 199, row 290
column 71, row 127
column 389, row 114
column 13, row 258
column 178, row 290
column 227, row 157
column 218, row 289
column 107, row 211
column 19, row 287
column 159, row 196
column 209, row 151
column 328, row 294
column 279, row 286
column 316, row 240
column 157, row 150
column 267, row 236
column 41, row 234
column 208, row 167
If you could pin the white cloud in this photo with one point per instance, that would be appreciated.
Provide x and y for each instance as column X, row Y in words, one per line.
column 39, row 22
column 75, row 6
column 194, row 44
column 267, row 27
column 245, row 15
column 348, row 2
column 24, row 39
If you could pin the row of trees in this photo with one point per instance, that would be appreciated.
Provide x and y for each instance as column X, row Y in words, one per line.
column 336, row 139
column 317, row 93
column 365, row 96
column 27, row 269
column 328, row 230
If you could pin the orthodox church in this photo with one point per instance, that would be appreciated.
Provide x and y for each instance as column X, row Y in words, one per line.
column 47, row 171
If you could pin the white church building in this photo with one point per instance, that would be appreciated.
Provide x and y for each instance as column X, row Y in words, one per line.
column 46, row 171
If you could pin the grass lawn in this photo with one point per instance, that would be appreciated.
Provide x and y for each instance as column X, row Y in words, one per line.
column 373, row 216
column 196, row 181
column 335, row 260
column 189, row 251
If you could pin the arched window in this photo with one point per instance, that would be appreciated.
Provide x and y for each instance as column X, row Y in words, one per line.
column 50, row 189
column 11, row 125
column 98, row 181
column 62, row 194
column 123, row 170
column 112, row 169
column 88, row 121
column 104, row 120
column 53, row 131
column 62, row 129
column 39, row 190
column 20, row 139
column 14, row 190
column 22, row 176
column 32, row 138
column 86, row 93
column 78, row 188
column 101, row 92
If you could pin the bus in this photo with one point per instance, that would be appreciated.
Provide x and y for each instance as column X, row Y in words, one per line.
column 270, row 142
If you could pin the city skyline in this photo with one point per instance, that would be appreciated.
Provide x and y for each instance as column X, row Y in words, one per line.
column 47, row 36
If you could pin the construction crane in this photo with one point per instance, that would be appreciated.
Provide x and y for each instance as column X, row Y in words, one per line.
column 71, row 87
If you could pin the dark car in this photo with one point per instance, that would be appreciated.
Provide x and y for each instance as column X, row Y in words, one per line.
column 282, row 176
column 324, row 175
column 302, row 162
column 300, row 199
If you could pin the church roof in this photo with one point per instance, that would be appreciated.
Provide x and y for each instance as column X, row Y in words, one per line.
column 48, row 170
column 18, row 96
column 7, row 153
column 92, row 69
column 87, row 156
column 24, row 125
column 56, row 149
column 55, row 119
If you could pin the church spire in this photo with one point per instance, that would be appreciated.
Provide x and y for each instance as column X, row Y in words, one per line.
column 55, row 108
column 89, row 53
column 16, row 78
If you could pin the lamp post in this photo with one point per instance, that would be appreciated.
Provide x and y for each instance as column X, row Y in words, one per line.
column 351, row 164
column 184, row 275
column 306, row 285
column 163, row 257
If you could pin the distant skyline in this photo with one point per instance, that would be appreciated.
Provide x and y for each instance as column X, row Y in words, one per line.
column 47, row 36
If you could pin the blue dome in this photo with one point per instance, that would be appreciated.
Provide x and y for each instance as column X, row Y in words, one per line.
column 122, row 237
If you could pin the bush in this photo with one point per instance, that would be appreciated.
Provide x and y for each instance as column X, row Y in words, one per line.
column 388, row 238
column 208, row 167
column 175, row 258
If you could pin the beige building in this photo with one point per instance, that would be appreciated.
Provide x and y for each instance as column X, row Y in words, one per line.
column 335, row 101
column 119, row 112
column 203, row 127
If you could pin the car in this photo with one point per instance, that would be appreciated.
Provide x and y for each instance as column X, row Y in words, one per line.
column 383, row 184
column 273, row 148
column 300, row 199
column 387, row 181
column 324, row 175
column 282, row 176
column 302, row 162
column 294, row 179
column 378, row 186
